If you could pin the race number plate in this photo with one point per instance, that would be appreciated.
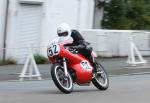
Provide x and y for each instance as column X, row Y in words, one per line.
column 86, row 65
column 53, row 50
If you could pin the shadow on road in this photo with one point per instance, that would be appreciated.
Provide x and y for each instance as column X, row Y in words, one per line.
column 57, row 92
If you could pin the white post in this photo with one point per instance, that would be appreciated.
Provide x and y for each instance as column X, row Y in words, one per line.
column 30, row 62
column 3, row 7
column 86, row 9
column 132, row 53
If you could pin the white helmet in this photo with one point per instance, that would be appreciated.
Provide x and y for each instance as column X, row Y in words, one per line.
column 63, row 30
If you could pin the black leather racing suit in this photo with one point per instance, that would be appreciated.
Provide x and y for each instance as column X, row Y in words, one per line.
column 80, row 44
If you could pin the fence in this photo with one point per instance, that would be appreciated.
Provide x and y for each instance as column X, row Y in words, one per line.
column 106, row 43
column 109, row 43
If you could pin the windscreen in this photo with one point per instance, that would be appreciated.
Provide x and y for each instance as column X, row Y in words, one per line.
column 62, row 40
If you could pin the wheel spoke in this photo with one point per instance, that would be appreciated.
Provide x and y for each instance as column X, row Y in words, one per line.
column 100, row 74
column 100, row 78
column 65, row 81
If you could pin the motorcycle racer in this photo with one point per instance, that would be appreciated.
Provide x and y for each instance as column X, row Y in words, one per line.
column 64, row 32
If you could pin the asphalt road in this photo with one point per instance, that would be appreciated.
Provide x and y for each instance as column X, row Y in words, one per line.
column 114, row 66
column 123, row 89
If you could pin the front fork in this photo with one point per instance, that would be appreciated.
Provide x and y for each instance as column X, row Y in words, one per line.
column 65, row 67
column 93, row 59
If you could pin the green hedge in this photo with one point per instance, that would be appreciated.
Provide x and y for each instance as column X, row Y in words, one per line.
column 126, row 14
column 8, row 61
column 40, row 59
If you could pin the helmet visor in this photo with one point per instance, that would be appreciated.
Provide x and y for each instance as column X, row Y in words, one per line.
column 63, row 34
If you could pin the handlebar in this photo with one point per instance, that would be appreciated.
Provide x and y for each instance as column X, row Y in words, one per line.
column 72, row 49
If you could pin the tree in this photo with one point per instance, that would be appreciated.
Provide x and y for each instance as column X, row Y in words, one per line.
column 126, row 14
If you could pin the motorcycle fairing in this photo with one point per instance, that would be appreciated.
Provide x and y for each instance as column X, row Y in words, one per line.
column 83, row 75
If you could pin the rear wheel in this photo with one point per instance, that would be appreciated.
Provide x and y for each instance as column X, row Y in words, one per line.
column 64, row 84
column 100, row 79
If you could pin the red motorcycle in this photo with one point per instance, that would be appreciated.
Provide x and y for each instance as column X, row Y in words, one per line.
column 69, row 67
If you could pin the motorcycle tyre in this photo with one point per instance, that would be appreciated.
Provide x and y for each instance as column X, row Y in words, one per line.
column 56, row 82
column 96, row 82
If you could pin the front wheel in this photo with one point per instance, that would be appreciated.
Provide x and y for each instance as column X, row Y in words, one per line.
column 100, row 79
column 64, row 84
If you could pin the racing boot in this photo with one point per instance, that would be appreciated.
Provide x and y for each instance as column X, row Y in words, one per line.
column 94, row 67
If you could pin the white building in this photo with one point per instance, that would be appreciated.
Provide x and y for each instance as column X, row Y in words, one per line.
column 35, row 21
